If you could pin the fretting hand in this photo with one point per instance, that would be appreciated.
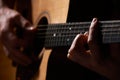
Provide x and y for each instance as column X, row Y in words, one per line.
column 102, row 58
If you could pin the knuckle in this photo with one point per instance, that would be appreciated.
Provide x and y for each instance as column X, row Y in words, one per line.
column 90, row 41
column 92, row 28
column 3, row 33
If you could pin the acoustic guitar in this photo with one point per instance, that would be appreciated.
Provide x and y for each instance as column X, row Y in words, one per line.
column 56, row 32
column 50, row 16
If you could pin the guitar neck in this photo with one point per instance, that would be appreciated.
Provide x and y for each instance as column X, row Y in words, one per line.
column 62, row 34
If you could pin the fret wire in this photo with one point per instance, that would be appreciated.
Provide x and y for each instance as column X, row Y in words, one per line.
column 77, row 32
column 77, row 27
column 73, row 35
column 65, row 33
column 109, row 30
column 77, row 23
column 110, row 25
column 64, row 24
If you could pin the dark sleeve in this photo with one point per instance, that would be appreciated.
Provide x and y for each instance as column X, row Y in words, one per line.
column 9, row 3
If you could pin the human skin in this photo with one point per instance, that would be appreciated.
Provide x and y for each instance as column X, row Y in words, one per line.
column 102, row 58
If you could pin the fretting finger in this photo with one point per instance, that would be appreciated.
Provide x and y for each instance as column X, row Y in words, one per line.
column 93, row 41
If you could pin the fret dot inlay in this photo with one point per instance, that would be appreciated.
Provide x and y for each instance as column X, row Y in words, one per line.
column 54, row 35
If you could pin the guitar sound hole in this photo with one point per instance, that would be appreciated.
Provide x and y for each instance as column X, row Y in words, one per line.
column 40, row 35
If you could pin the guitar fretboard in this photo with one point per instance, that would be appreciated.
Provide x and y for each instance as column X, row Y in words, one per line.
column 62, row 34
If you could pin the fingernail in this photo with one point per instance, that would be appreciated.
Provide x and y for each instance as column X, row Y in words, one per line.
column 94, row 20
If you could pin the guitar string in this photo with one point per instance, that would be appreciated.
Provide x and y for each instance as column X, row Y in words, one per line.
column 113, row 35
column 67, row 31
column 51, row 39
column 83, row 23
column 78, row 27
column 57, row 27
column 74, row 26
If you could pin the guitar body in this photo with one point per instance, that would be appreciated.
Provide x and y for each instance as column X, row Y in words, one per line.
column 48, row 12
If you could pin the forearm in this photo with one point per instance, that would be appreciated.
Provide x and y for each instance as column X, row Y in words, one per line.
column 7, row 3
